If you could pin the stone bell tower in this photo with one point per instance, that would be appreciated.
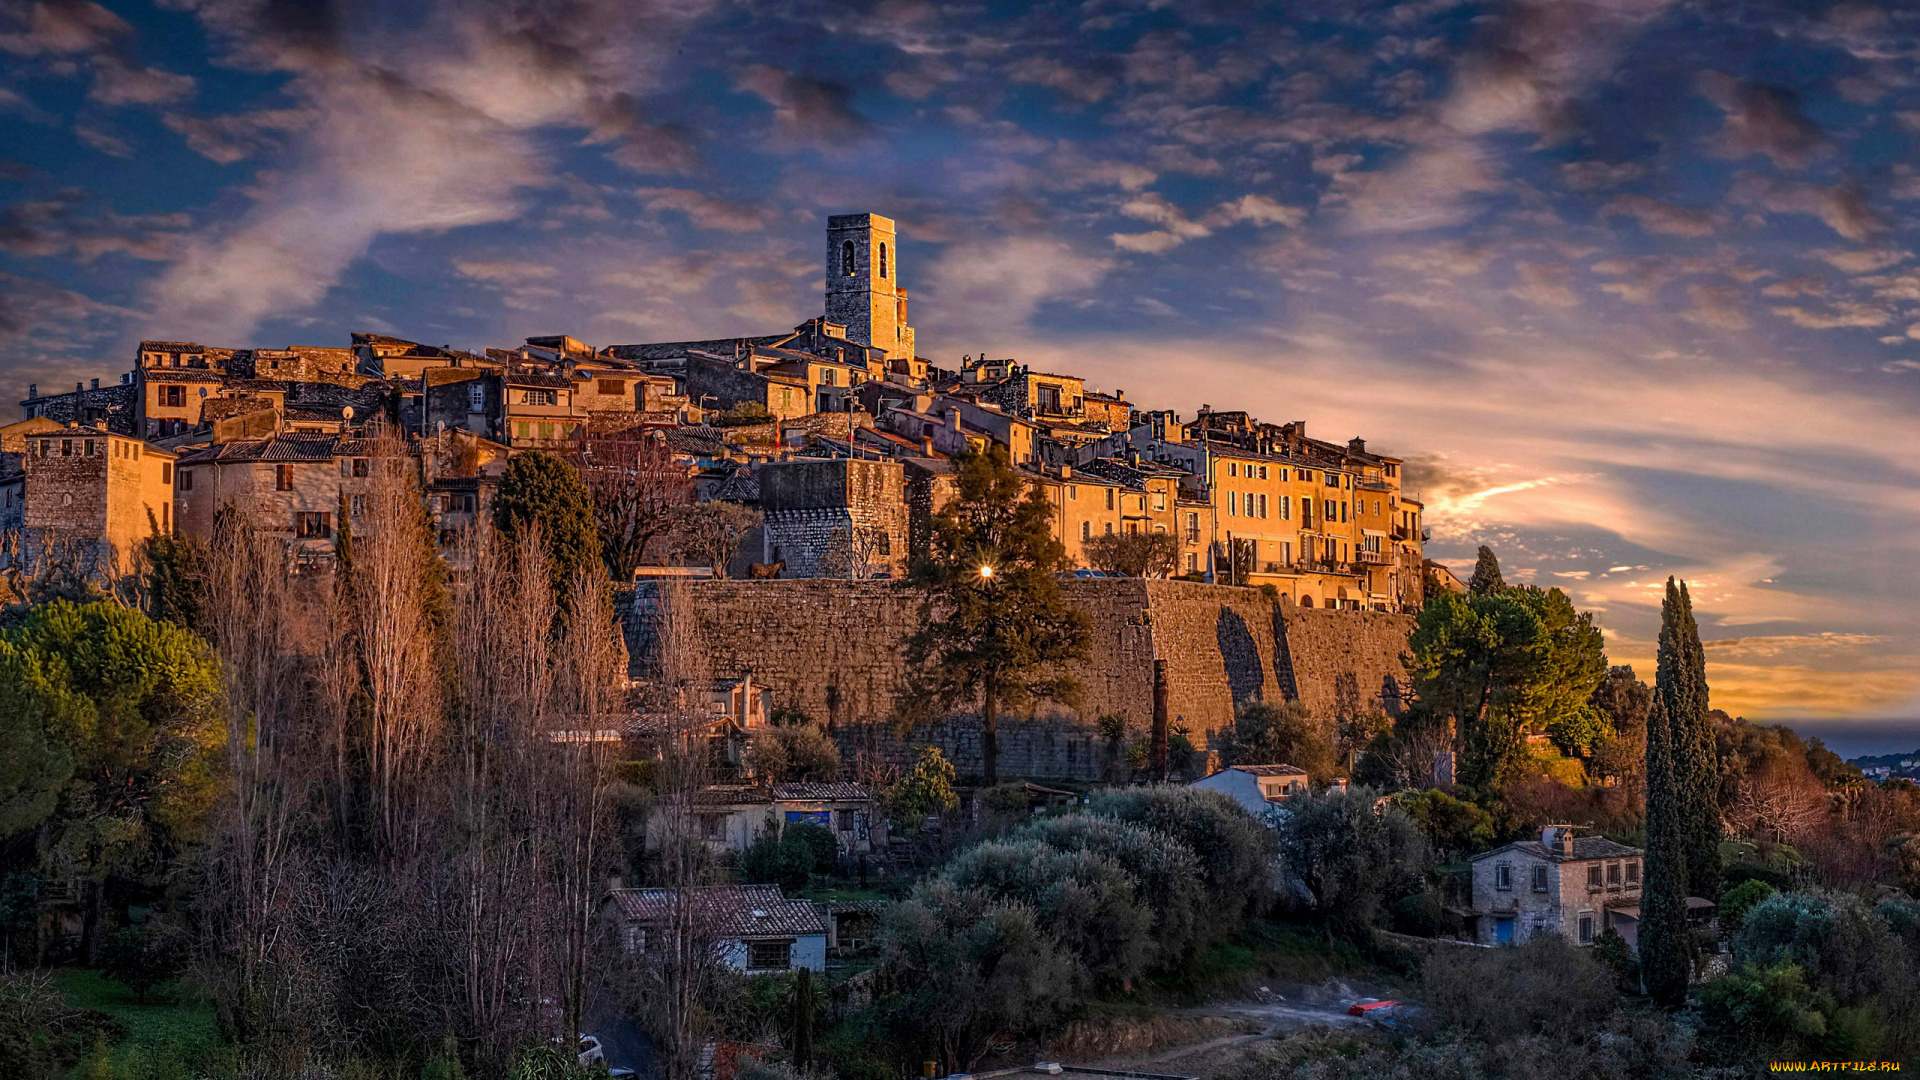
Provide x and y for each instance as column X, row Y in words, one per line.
column 863, row 291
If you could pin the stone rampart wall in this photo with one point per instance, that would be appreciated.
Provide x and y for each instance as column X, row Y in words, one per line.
column 835, row 650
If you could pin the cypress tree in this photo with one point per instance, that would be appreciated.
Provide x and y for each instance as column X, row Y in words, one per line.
column 1665, row 959
column 1486, row 574
column 1683, row 811
column 1682, row 686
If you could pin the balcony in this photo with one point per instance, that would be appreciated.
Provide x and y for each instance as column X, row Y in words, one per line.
column 1376, row 558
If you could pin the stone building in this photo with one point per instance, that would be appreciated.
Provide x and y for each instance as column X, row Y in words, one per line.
column 752, row 929
column 113, row 405
column 842, row 517
column 295, row 486
column 92, row 495
column 863, row 291
column 1574, row 886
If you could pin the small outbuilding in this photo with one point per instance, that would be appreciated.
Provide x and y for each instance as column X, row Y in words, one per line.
column 751, row 929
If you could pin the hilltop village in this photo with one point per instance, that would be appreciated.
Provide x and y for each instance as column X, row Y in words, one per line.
column 837, row 432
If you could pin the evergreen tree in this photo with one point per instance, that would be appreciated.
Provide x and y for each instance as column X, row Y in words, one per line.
column 542, row 488
column 1486, row 574
column 996, row 623
column 1683, row 812
column 1681, row 684
column 1665, row 952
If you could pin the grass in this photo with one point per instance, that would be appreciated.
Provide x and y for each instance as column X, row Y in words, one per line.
column 1260, row 954
column 171, row 1036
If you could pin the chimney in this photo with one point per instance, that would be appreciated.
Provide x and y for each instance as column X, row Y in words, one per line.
column 1357, row 445
column 33, row 390
column 926, row 445
column 1066, row 471
column 95, row 386
column 953, row 418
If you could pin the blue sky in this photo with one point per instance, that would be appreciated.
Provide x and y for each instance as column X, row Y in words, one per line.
column 1631, row 282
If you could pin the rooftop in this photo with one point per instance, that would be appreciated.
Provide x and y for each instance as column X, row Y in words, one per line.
column 725, row 910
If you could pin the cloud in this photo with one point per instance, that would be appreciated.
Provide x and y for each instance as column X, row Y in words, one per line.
column 449, row 98
column 996, row 282
column 1659, row 217
column 1716, row 306
column 104, row 141
column 1763, row 120
column 705, row 211
column 117, row 82
column 502, row 271
column 811, row 110
column 1845, row 314
column 57, row 27
column 54, row 227
column 1595, row 175
column 1539, row 58
column 1843, row 207
column 1862, row 262
column 236, row 137
column 1083, row 83
column 1544, row 284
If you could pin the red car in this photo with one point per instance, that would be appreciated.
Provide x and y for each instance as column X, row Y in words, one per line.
column 1367, row 1005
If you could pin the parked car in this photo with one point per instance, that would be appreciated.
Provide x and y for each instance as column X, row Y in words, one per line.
column 587, row 1047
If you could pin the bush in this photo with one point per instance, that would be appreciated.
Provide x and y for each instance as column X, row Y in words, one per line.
column 1452, row 825
column 1165, row 871
column 1542, row 987
column 925, row 789
column 1236, row 853
column 41, row 1036
column 1737, row 901
column 970, row 972
column 1765, row 1013
column 1350, row 859
column 1081, row 899
column 142, row 957
column 792, row 753
column 818, row 842
column 771, row 860
column 1265, row 733
column 1842, row 944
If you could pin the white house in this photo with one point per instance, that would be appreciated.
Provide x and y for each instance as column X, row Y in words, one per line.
column 1572, row 886
column 1259, row 788
column 730, row 817
column 751, row 928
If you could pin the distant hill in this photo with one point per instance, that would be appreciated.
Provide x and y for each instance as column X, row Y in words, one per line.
column 1877, row 766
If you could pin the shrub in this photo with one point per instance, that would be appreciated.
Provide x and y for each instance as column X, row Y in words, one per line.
column 1842, row 945
column 41, row 1036
column 1350, row 859
column 1737, row 901
column 970, row 972
column 1760, row 1013
column 772, row 860
column 1236, row 852
column 925, row 789
column 792, row 753
column 1165, row 871
column 1453, row 825
column 818, row 842
column 1542, row 987
column 1081, row 899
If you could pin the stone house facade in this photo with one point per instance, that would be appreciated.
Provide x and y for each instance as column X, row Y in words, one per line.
column 1559, row 884
column 97, row 492
column 835, row 518
column 753, row 929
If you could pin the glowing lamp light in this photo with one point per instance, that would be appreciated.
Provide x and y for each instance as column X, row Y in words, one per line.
column 986, row 573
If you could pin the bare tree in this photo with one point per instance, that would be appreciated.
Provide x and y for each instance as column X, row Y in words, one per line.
column 395, row 570
column 710, row 533
column 636, row 483
column 854, row 552
column 1134, row 554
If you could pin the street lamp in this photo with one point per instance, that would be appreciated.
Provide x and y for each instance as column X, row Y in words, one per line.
column 986, row 573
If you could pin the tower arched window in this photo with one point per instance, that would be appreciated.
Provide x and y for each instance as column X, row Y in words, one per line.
column 846, row 258
column 883, row 260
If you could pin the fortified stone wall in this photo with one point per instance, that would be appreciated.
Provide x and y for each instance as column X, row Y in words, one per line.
column 834, row 649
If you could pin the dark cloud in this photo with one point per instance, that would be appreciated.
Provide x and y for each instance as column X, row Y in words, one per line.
column 1764, row 120
column 1660, row 217
column 811, row 110
column 57, row 27
column 56, row 226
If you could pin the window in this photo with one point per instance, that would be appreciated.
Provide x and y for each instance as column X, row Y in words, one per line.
column 1613, row 875
column 1633, row 873
column 346, row 468
column 1503, row 876
column 546, row 431
column 283, row 477
column 713, row 826
column 883, row 260
column 769, row 955
column 1306, row 476
column 1539, row 879
column 843, row 820
column 476, row 397
column 166, row 472
column 1263, row 506
column 1159, row 500
column 186, row 480
column 1593, row 876
column 846, row 259
column 1343, row 511
column 1586, row 929
column 1109, row 498
column 359, row 466
column 1073, row 492
column 1333, row 479
column 312, row 525
column 1233, row 504
column 90, row 447
column 1286, row 508
column 1263, row 472
column 543, row 397
column 1328, row 512
column 1193, row 563
column 1193, row 527
column 1086, row 530
column 173, row 397
column 1109, row 528
column 611, row 386
column 1233, row 468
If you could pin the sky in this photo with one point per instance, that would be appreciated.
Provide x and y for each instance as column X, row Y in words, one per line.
column 1630, row 284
